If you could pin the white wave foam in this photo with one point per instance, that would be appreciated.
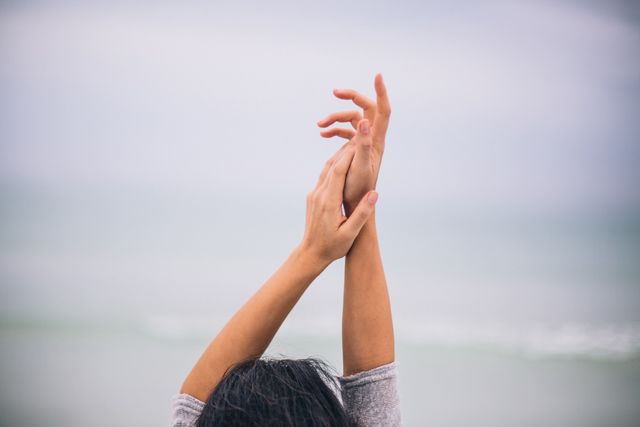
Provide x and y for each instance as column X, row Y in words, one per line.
column 604, row 341
column 611, row 341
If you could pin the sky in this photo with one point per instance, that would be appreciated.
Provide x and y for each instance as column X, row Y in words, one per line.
column 499, row 105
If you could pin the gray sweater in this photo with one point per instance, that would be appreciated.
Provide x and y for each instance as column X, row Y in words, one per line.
column 370, row 399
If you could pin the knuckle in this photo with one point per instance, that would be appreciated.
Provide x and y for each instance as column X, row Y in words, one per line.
column 324, row 203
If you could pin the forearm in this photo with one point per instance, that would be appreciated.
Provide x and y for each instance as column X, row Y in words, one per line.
column 367, row 327
column 252, row 328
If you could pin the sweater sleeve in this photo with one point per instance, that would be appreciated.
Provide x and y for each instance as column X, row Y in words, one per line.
column 371, row 398
column 185, row 410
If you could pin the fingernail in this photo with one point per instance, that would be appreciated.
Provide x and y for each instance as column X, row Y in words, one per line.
column 372, row 197
column 364, row 128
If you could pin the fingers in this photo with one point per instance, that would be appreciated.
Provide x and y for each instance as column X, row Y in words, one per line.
column 328, row 164
column 351, row 116
column 352, row 226
column 362, row 101
column 363, row 140
column 383, row 110
column 337, row 175
column 341, row 132
column 323, row 173
column 335, row 169
column 359, row 99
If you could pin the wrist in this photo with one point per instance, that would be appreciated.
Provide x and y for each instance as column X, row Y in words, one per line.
column 369, row 229
column 309, row 259
column 367, row 238
column 351, row 205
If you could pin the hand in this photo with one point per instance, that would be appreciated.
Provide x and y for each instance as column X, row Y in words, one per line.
column 328, row 234
column 364, row 170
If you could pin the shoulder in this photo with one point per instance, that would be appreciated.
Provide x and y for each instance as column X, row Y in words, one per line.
column 371, row 397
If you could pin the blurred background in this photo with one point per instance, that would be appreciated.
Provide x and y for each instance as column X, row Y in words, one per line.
column 155, row 156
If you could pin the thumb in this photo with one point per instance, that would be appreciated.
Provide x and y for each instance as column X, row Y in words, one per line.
column 363, row 139
column 360, row 215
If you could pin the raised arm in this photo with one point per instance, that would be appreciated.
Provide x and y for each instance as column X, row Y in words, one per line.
column 367, row 328
column 328, row 236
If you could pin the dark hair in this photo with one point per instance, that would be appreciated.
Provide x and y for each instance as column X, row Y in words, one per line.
column 275, row 392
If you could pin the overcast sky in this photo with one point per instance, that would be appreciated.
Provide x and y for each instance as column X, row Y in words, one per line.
column 495, row 103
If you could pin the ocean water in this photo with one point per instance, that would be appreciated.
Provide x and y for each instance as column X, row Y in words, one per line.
column 108, row 301
column 70, row 375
